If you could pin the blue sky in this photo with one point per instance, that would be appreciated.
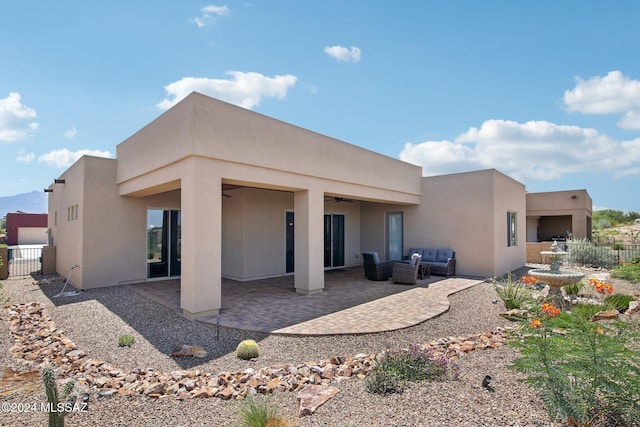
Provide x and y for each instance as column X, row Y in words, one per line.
column 547, row 92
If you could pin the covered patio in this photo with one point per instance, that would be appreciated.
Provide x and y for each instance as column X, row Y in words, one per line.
column 350, row 304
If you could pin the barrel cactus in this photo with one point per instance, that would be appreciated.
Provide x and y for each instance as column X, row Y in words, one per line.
column 247, row 349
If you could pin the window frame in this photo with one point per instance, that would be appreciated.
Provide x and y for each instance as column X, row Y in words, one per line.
column 512, row 229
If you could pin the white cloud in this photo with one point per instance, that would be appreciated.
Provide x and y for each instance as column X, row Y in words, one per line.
column 244, row 89
column 25, row 157
column 344, row 54
column 207, row 17
column 15, row 119
column 613, row 93
column 64, row 158
column 531, row 151
column 71, row 133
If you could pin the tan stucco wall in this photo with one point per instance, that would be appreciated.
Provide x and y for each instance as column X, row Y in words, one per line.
column 465, row 212
column 67, row 233
column 203, row 126
column 574, row 203
column 106, row 225
column 253, row 232
column 509, row 195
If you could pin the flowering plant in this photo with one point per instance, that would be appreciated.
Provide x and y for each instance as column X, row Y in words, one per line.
column 529, row 280
column 550, row 310
column 601, row 287
column 587, row 373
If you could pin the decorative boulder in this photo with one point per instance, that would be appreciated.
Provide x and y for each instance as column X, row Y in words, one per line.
column 184, row 350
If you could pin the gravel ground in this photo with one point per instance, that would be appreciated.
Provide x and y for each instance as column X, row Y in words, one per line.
column 96, row 318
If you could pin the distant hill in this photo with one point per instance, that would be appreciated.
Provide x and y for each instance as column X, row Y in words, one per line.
column 34, row 202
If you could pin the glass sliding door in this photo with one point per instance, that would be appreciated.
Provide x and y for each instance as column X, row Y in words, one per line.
column 394, row 236
column 175, row 230
column 333, row 240
column 289, row 242
column 163, row 243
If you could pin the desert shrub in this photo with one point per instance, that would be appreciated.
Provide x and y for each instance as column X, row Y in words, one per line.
column 618, row 302
column 513, row 293
column 247, row 349
column 126, row 340
column 383, row 382
column 629, row 271
column 583, row 252
column 587, row 372
column 394, row 368
column 260, row 413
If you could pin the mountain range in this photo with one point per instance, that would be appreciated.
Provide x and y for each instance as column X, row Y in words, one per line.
column 34, row 202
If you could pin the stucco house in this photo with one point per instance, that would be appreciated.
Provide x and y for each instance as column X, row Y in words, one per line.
column 211, row 190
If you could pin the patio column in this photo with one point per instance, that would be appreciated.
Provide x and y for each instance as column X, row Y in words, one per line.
column 309, row 241
column 201, row 245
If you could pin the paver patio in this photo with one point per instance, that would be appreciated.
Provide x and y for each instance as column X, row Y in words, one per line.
column 350, row 304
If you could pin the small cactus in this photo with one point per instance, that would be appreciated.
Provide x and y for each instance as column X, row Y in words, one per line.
column 59, row 404
column 126, row 340
column 247, row 349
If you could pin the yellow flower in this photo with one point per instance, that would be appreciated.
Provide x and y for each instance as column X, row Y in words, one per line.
column 535, row 323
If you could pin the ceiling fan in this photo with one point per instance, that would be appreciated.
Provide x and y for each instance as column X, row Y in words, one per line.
column 338, row 199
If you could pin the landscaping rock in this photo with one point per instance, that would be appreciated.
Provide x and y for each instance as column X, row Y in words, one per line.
column 311, row 397
column 605, row 315
column 183, row 350
column 37, row 341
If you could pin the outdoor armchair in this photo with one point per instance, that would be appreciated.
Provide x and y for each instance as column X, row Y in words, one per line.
column 374, row 269
column 407, row 272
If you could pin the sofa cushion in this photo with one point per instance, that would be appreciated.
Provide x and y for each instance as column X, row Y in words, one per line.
column 429, row 255
column 415, row 257
column 376, row 258
column 443, row 255
column 415, row 251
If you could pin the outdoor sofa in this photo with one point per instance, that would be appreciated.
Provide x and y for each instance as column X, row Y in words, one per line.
column 442, row 261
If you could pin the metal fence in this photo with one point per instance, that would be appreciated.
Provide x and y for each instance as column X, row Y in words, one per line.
column 24, row 261
column 601, row 255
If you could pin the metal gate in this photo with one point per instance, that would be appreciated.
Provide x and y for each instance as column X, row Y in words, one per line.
column 24, row 260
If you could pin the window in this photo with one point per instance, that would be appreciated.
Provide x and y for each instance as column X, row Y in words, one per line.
column 511, row 229
column 394, row 235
